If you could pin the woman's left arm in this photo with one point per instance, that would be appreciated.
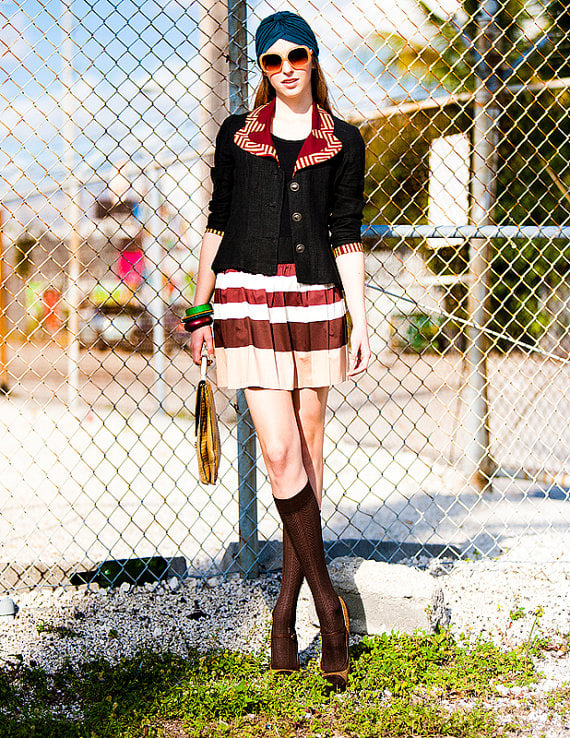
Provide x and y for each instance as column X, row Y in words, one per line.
column 345, row 222
column 351, row 270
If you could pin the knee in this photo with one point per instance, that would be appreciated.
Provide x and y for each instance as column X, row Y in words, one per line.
column 277, row 455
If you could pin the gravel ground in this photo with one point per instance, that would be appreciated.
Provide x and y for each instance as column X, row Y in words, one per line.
column 510, row 603
column 170, row 616
column 501, row 599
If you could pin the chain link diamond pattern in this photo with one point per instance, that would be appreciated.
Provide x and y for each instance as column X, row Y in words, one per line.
column 456, row 440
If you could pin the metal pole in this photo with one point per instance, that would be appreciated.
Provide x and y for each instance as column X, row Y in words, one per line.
column 4, row 385
column 466, row 231
column 71, row 188
column 247, row 445
column 237, row 55
column 156, row 302
column 478, row 463
column 213, row 77
column 247, row 491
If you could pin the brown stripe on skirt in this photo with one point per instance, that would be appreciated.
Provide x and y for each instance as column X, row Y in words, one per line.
column 278, row 333
column 317, row 336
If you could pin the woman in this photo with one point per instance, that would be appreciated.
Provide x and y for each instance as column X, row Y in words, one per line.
column 283, row 238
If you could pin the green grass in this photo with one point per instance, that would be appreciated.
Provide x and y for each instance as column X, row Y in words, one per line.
column 396, row 688
column 559, row 700
column 517, row 613
column 60, row 630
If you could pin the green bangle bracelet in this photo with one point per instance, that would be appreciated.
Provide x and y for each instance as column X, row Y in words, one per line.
column 199, row 310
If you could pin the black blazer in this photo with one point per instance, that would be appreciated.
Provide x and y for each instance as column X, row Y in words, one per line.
column 325, row 195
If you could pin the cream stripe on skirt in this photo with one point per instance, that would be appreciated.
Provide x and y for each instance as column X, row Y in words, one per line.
column 274, row 332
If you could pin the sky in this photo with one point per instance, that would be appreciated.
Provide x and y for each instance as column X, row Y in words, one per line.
column 135, row 89
column 116, row 50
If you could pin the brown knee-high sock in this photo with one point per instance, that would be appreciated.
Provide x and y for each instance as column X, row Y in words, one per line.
column 302, row 520
column 285, row 610
column 284, row 650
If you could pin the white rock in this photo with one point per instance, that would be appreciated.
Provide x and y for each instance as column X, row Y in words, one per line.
column 381, row 597
column 546, row 685
column 7, row 609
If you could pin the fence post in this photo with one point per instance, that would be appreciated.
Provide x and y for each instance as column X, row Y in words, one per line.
column 72, row 212
column 483, row 175
column 212, row 74
column 247, row 445
column 156, row 301
column 4, row 385
column 247, row 491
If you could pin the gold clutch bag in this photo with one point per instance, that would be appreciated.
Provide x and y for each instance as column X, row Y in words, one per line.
column 207, row 431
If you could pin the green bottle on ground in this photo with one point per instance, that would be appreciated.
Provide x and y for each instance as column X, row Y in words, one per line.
column 134, row 571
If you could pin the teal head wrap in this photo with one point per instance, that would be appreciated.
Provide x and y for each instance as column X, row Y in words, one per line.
column 288, row 26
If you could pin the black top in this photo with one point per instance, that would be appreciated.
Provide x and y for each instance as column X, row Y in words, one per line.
column 325, row 196
column 287, row 153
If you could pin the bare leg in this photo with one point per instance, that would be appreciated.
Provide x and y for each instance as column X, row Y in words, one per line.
column 275, row 422
column 310, row 405
column 290, row 427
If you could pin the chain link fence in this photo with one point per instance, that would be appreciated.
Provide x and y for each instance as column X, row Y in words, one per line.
column 456, row 441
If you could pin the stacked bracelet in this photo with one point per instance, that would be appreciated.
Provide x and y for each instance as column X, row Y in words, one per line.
column 197, row 317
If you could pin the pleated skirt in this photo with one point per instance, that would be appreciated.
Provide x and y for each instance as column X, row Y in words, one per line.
column 275, row 332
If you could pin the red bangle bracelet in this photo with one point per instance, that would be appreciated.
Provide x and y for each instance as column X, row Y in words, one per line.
column 198, row 322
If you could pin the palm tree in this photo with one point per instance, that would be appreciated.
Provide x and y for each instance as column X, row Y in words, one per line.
column 446, row 57
column 558, row 13
column 530, row 43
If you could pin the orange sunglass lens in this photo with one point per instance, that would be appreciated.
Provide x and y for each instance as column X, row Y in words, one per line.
column 273, row 62
column 298, row 57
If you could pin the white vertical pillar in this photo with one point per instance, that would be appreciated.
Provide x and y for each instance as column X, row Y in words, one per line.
column 213, row 76
column 156, row 303
column 72, row 210
column 448, row 186
column 478, row 462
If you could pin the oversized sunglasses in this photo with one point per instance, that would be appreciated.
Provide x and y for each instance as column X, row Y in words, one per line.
column 298, row 58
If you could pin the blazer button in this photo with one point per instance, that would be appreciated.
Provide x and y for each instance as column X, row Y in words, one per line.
column 297, row 217
column 293, row 186
column 299, row 248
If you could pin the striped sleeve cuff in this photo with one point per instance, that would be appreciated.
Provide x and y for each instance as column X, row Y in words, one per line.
column 214, row 230
column 347, row 248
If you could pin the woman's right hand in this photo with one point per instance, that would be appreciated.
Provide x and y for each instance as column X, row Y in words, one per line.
column 198, row 338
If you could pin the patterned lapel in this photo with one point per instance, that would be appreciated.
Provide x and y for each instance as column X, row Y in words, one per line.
column 255, row 136
column 321, row 143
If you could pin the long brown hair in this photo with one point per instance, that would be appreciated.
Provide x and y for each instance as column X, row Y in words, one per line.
column 266, row 92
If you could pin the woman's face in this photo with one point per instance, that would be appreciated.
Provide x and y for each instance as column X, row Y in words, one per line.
column 289, row 82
